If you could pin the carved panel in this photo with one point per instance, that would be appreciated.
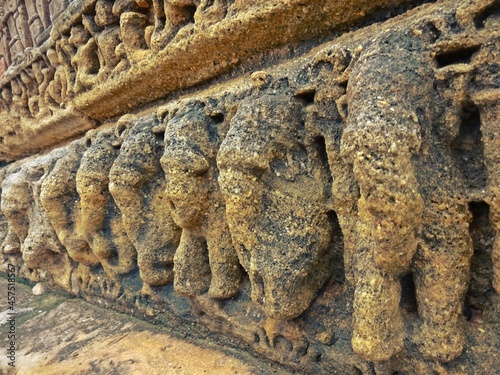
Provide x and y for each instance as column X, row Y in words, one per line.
column 138, row 187
column 120, row 44
column 337, row 213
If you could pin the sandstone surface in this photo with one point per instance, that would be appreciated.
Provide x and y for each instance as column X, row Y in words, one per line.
column 317, row 183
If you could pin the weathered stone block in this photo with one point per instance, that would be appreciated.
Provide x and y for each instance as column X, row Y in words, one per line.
column 335, row 209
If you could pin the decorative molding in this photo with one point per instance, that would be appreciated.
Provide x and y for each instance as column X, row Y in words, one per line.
column 336, row 212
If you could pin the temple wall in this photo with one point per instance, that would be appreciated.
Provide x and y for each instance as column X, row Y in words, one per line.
column 329, row 200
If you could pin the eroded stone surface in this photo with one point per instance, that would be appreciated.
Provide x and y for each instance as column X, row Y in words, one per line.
column 138, row 185
column 205, row 258
column 337, row 212
column 29, row 229
column 271, row 173
column 61, row 202
column 101, row 220
column 84, row 339
column 99, row 50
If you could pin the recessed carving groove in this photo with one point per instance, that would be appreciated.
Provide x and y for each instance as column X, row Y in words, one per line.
column 456, row 56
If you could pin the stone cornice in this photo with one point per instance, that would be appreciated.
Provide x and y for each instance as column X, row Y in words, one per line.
column 199, row 52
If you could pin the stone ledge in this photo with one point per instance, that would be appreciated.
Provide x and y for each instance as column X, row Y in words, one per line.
column 191, row 60
column 62, row 336
column 196, row 55
column 35, row 136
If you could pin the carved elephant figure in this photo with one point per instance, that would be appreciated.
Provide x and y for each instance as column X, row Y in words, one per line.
column 273, row 182
column 138, row 186
column 400, row 211
column 21, row 205
column 61, row 203
column 205, row 260
column 10, row 241
column 101, row 221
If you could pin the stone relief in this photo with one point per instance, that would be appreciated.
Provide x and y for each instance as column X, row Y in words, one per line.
column 108, row 42
column 205, row 259
column 29, row 229
column 101, row 221
column 397, row 213
column 342, row 193
column 105, row 41
column 61, row 203
column 84, row 61
column 137, row 185
column 108, row 36
column 268, row 177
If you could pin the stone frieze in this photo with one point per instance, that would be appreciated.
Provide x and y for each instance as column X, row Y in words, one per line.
column 336, row 212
